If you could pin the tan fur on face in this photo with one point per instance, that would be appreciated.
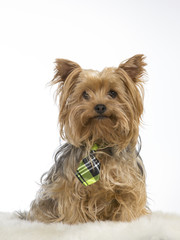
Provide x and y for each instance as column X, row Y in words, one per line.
column 120, row 194
column 76, row 114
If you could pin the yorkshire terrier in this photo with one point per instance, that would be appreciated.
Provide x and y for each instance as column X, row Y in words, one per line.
column 98, row 174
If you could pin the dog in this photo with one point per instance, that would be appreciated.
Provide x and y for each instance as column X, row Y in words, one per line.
column 98, row 173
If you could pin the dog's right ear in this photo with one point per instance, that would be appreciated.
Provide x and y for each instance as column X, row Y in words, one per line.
column 63, row 69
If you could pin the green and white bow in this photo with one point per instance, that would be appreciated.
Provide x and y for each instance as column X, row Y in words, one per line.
column 89, row 168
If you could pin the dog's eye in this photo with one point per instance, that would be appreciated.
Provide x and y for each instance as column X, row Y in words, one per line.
column 112, row 94
column 85, row 95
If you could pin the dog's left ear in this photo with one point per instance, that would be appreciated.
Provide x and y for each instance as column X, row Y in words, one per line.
column 134, row 67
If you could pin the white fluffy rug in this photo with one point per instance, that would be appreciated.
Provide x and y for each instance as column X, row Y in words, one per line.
column 158, row 226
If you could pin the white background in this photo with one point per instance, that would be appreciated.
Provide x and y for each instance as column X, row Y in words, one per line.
column 95, row 34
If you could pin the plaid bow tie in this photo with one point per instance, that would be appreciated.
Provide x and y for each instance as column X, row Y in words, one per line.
column 89, row 168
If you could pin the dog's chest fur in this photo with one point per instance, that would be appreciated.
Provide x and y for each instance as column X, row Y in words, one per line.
column 119, row 186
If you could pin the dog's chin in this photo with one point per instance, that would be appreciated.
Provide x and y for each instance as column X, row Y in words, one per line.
column 101, row 121
column 101, row 130
column 100, row 117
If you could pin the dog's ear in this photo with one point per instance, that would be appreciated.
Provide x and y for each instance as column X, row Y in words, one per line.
column 63, row 69
column 134, row 67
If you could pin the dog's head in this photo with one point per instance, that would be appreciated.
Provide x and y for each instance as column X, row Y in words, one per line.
column 103, row 107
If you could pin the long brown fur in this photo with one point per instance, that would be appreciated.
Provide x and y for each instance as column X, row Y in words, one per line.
column 120, row 194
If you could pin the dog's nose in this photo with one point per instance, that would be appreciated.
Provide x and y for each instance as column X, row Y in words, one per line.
column 100, row 108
